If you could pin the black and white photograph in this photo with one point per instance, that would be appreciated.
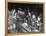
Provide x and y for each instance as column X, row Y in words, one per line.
column 25, row 17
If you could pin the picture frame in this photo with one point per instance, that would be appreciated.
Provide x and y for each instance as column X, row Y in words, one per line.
column 6, row 18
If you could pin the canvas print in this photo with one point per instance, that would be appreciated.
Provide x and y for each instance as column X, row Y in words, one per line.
column 24, row 17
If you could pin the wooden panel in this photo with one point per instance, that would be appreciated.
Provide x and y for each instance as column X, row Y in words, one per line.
column 25, row 0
